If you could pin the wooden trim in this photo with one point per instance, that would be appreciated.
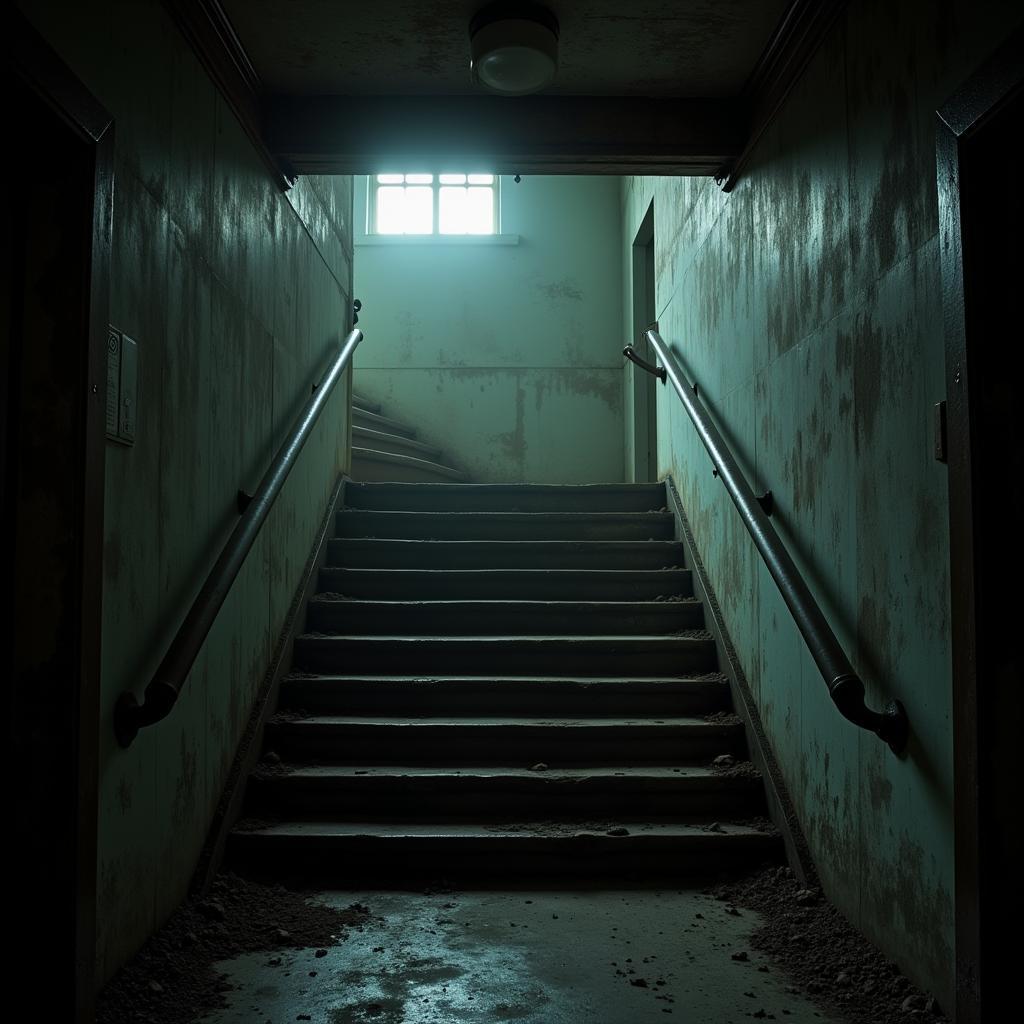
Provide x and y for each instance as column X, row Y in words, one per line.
column 247, row 754
column 209, row 32
column 780, row 806
column 956, row 122
column 794, row 43
column 533, row 135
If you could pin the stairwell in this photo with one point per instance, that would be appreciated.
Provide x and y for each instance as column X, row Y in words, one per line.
column 503, row 681
column 386, row 449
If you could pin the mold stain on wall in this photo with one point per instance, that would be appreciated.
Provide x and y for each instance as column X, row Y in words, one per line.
column 834, row 362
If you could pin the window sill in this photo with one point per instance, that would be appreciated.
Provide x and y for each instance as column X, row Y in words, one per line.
column 441, row 240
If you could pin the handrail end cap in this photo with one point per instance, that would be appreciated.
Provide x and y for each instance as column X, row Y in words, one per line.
column 126, row 719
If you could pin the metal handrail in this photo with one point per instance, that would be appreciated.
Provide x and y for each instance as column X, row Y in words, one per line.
column 167, row 681
column 844, row 685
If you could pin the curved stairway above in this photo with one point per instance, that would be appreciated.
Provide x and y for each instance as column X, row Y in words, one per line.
column 384, row 449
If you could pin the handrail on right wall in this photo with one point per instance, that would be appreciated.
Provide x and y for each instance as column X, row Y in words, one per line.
column 845, row 687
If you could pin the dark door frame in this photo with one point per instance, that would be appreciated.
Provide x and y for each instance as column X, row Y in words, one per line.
column 644, row 426
column 977, row 892
column 69, row 726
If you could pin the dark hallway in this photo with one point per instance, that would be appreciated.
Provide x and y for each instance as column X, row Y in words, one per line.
column 428, row 637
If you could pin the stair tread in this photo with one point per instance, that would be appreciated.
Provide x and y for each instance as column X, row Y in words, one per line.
column 409, row 461
column 430, row 515
column 684, row 638
column 554, row 774
column 523, row 830
column 381, row 422
column 507, row 721
column 374, row 438
column 608, row 682
column 385, row 495
column 469, row 603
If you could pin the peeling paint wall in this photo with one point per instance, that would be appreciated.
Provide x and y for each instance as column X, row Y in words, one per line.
column 237, row 296
column 506, row 356
column 806, row 306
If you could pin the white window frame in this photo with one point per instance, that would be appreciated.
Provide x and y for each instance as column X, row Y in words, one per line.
column 435, row 234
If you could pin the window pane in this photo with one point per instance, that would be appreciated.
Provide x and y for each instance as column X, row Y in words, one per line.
column 451, row 211
column 481, row 179
column 418, row 179
column 391, row 211
column 419, row 211
column 479, row 211
column 453, row 179
column 390, row 179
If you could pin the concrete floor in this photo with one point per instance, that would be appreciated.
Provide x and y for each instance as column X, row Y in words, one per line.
column 622, row 957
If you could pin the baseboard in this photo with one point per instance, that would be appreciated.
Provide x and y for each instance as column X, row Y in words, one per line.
column 780, row 806
column 247, row 754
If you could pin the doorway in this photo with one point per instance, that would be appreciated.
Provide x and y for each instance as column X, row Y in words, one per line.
column 55, row 250
column 981, row 226
column 644, row 385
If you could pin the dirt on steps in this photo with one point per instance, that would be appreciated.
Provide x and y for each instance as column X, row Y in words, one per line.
column 173, row 980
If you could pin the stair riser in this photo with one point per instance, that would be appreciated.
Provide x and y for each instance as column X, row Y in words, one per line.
column 374, row 421
column 476, row 658
column 501, row 744
column 400, row 554
column 432, row 802
column 382, row 465
column 327, row 696
column 343, row 858
column 508, row 498
column 363, row 437
column 511, row 585
column 504, row 526
column 480, row 619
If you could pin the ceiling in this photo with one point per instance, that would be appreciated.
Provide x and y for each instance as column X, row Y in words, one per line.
column 636, row 48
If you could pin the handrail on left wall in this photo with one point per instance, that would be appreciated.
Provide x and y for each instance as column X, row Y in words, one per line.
column 165, row 686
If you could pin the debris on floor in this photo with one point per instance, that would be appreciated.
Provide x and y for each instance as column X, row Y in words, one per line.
column 824, row 955
column 173, row 979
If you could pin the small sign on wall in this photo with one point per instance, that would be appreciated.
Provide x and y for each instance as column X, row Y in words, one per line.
column 122, row 386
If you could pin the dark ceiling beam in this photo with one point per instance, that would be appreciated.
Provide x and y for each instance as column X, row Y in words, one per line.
column 796, row 40
column 209, row 33
column 525, row 135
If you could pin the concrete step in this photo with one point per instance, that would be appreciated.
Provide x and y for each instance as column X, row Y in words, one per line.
column 514, row 655
column 509, row 584
column 396, row 553
column 378, row 441
column 345, row 850
column 506, row 525
column 501, row 740
column 375, row 421
column 499, row 695
column 418, row 792
column 471, row 618
column 367, row 404
column 398, row 497
column 373, row 465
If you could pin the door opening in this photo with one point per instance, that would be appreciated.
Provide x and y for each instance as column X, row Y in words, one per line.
column 981, row 225
column 644, row 389
column 55, row 243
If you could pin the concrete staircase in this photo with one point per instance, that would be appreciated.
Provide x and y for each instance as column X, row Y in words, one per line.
column 503, row 680
column 385, row 449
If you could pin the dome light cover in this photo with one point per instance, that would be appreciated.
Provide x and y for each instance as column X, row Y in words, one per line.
column 514, row 48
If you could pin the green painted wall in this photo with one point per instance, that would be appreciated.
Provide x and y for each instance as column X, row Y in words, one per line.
column 506, row 356
column 236, row 295
column 806, row 305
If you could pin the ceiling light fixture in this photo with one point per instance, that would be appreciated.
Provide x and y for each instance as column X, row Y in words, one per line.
column 514, row 48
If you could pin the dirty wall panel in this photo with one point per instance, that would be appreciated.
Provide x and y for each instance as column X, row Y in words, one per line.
column 210, row 265
column 845, row 333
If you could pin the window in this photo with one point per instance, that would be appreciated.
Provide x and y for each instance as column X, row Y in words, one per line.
column 434, row 204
